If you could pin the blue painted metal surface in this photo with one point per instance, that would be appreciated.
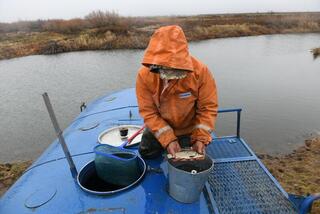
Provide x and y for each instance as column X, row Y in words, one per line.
column 307, row 203
column 239, row 184
column 238, row 110
column 304, row 203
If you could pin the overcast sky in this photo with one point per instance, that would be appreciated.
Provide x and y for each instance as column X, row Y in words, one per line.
column 14, row 10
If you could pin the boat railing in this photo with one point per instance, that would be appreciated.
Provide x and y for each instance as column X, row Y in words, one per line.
column 238, row 111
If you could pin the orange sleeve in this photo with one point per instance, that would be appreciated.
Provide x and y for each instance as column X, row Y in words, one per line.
column 206, row 108
column 149, row 112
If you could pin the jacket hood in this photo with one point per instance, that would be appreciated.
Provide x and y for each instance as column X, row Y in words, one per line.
column 168, row 47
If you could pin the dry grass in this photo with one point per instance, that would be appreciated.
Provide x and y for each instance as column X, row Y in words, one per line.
column 108, row 30
column 299, row 171
column 9, row 173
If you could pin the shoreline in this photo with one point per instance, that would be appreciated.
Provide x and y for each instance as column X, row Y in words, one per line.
column 297, row 172
column 109, row 31
column 10, row 172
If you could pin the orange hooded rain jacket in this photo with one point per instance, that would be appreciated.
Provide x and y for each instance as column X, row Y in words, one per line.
column 186, row 106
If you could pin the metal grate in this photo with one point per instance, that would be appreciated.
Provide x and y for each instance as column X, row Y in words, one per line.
column 227, row 148
column 244, row 187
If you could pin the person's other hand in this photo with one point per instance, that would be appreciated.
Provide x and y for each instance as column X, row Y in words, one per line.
column 199, row 147
column 173, row 148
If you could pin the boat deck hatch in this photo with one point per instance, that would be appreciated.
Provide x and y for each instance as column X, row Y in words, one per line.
column 89, row 180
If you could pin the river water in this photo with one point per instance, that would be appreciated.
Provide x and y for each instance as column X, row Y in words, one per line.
column 274, row 78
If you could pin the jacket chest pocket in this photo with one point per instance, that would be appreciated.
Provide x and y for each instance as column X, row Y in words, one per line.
column 185, row 100
column 184, row 104
column 184, row 95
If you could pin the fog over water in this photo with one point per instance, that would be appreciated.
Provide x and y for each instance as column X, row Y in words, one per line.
column 13, row 10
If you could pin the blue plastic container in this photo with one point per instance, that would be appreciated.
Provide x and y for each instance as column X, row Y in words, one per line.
column 116, row 166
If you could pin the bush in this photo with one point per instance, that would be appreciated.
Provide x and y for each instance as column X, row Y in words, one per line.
column 65, row 26
column 102, row 19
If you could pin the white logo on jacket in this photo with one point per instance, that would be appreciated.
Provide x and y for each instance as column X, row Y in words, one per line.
column 185, row 95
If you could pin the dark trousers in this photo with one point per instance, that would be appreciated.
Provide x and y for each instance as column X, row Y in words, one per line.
column 151, row 148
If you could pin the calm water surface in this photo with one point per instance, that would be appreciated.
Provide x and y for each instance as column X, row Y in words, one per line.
column 273, row 78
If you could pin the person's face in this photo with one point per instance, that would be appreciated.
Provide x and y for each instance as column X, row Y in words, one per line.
column 168, row 73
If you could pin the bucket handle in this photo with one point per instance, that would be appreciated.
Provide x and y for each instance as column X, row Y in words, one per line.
column 131, row 138
column 114, row 156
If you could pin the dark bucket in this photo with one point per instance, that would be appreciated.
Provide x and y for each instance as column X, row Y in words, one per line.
column 116, row 166
column 187, row 178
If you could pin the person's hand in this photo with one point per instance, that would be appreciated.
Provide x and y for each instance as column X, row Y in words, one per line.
column 199, row 147
column 173, row 148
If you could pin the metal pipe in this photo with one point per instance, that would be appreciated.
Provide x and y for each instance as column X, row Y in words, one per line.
column 238, row 123
column 229, row 110
column 59, row 134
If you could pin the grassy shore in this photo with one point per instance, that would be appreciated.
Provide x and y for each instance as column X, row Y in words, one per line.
column 297, row 172
column 10, row 172
column 107, row 30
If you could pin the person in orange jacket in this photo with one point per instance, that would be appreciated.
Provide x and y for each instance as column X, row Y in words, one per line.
column 176, row 94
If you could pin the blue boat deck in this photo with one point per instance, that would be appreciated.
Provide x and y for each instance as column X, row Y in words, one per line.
column 239, row 182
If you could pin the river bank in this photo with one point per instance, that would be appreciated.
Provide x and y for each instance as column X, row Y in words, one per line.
column 10, row 172
column 297, row 172
column 107, row 30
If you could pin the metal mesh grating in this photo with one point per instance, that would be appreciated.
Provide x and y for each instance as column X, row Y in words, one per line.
column 227, row 148
column 244, row 187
